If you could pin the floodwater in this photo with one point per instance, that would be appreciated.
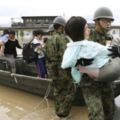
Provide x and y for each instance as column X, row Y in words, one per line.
column 20, row 105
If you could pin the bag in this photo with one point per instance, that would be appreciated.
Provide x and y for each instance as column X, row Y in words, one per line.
column 110, row 71
column 29, row 55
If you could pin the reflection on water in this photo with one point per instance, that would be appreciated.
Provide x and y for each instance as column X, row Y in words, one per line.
column 19, row 105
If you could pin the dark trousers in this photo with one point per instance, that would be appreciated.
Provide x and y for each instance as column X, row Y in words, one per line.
column 41, row 67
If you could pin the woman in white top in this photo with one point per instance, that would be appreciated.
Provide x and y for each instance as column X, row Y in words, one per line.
column 40, row 62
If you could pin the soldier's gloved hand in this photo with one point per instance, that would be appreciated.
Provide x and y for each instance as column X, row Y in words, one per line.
column 115, row 51
column 84, row 62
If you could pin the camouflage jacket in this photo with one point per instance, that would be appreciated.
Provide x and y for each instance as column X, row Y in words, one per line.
column 55, row 47
column 98, row 37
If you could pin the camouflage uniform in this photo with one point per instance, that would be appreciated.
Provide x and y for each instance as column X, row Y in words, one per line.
column 62, row 82
column 98, row 96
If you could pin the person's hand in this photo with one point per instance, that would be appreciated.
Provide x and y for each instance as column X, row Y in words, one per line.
column 38, row 49
column 115, row 51
column 84, row 62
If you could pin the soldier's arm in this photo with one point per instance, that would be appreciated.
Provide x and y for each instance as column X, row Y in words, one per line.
column 115, row 49
column 116, row 41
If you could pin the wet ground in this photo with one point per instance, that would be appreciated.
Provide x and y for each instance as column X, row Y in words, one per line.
column 20, row 105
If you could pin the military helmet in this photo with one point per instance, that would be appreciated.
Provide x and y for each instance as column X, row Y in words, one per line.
column 103, row 12
column 59, row 20
column 51, row 28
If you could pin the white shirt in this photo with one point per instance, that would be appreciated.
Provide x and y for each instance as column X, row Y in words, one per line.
column 41, row 42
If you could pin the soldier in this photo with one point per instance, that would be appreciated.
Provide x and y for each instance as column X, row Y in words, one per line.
column 62, row 83
column 99, row 96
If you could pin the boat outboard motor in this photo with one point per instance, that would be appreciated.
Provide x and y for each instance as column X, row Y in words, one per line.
column 111, row 71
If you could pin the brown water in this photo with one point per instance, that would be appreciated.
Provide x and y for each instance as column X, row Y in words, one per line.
column 19, row 105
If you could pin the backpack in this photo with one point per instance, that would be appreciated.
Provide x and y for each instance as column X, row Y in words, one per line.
column 29, row 55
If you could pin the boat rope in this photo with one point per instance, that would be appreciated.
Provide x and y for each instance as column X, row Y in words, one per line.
column 45, row 98
column 46, row 93
column 13, row 75
column 6, row 65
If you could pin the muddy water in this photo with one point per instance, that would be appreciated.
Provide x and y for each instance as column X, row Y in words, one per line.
column 19, row 105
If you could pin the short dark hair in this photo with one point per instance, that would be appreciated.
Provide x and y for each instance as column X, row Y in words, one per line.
column 75, row 28
column 12, row 32
column 6, row 31
column 38, row 32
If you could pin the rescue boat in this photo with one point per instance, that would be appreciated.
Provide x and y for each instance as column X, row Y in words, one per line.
column 26, row 79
